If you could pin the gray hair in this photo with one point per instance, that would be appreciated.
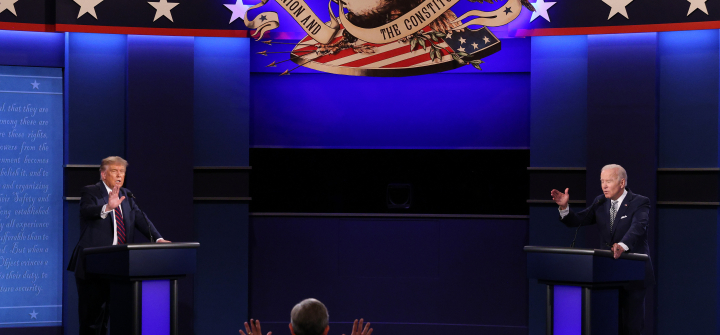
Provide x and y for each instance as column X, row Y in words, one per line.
column 309, row 317
column 112, row 160
column 619, row 171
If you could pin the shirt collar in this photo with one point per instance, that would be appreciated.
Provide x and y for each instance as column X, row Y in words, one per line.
column 106, row 187
column 619, row 200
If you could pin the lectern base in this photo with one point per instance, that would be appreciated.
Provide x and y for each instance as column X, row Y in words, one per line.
column 583, row 310
column 143, row 307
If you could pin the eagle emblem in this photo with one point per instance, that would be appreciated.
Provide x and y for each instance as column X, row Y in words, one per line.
column 392, row 37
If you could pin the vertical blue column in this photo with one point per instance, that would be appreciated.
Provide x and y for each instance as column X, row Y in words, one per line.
column 558, row 81
column 622, row 126
column 222, row 101
column 622, row 120
column 558, row 88
column 222, row 85
column 96, row 96
column 689, row 65
column 159, row 132
column 95, row 126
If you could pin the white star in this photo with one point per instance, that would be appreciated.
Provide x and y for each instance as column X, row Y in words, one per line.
column 33, row 315
column 541, row 8
column 87, row 6
column 449, row 35
column 36, row 85
column 462, row 40
column 9, row 5
column 238, row 10
column 163, row 8
column 617, row 6
column 486, row 39
column 475, row 45
column 697, row 4
column 461, row 49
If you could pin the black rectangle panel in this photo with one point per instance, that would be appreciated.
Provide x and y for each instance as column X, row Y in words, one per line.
column 78, row 176
column 221, row 182
column 544, row 180
column 687, row 185
column 373, row 181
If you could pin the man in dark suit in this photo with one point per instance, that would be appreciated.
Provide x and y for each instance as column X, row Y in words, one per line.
column 106, row 219
column 622, row 219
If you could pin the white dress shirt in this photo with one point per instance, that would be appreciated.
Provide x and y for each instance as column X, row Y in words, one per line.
column 104, row 214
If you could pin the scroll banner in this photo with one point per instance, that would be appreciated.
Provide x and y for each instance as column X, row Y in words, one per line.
column 408, row 24
column 301, row 13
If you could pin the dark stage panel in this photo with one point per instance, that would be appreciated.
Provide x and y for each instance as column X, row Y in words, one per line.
column 406, row 276
column 493, row 182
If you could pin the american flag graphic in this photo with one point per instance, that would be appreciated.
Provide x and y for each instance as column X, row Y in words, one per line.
column 395, row 59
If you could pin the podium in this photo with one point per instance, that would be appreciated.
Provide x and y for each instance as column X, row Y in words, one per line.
column 143, row 284
column 573, row 276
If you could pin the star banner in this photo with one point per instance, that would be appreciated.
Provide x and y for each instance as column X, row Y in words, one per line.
column 154, row 17
column 28, row 15
column 564, row 17
column 225, row 17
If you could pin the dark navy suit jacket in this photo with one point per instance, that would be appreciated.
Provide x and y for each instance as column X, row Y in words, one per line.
column 98, row 232
column 630, row 226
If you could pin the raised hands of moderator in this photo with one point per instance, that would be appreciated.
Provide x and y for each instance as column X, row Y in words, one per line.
column 561, row 198
column 358, row 328
column 253, row 328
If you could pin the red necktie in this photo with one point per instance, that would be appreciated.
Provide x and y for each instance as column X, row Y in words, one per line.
column 120, row 226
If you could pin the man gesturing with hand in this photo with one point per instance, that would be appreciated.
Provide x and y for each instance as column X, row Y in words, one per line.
column 622, row 219
column 107, row 217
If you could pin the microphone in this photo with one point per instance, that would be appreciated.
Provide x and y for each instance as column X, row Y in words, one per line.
column 598, row 202
column 132, row 196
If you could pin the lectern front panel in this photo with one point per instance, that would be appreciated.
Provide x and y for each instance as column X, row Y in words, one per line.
column 567, row 319
column 156, row 307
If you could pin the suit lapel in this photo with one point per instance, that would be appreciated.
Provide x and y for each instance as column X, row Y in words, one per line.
column 622, row 208
column 605, row 216
column 103, row 191
column 124, row 205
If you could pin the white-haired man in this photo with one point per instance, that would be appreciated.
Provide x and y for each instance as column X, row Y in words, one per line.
column 622, row 219
column 309, row 317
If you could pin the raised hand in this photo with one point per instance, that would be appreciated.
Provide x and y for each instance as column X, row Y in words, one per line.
column 253, row 328
column 561, row 198
column 113, row 200
column 358, row 328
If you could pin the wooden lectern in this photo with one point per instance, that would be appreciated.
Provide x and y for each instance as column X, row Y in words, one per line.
column 573, row 276
column 143, row 289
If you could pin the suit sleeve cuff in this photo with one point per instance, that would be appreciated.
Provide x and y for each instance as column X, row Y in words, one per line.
column 103, row 212
column 564, row 212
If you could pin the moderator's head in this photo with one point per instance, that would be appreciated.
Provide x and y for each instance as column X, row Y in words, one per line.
column 309, row 317
column 112, row 171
